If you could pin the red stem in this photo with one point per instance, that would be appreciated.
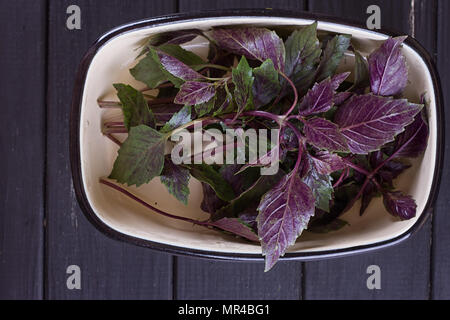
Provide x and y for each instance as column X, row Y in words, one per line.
column 108, row 104
column 113, row 139
column 356, row 167
column 375, row 182
column 397, row 151
column 165, row 85
column 263, row 114
column 300, row 142
column 149, row 206
column 115, row 130
column 341, row 178
column 111, row 124
column 363, row 187
column 295, row 94
column 150, row 102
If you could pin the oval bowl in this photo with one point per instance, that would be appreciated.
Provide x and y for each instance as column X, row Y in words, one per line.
column 92, row 155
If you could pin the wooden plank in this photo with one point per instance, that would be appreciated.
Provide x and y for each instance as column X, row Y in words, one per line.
column 405, row 269
column 441, row 220
column 109, row 269
column 22, row 142
column 425, row 24
column 194, row 5
column 394, row 14
column 200, row 279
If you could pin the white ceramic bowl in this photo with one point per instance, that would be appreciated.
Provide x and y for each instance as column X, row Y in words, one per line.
column 92, row 155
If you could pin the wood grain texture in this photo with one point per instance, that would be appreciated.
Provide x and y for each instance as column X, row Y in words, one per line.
column 441, row 221
column 425, row 24
column 394, row 14
column 109, row 269
column 200, row 279
column 114, row 270
column 405, row 269
column 194, row 5
column 22, row 141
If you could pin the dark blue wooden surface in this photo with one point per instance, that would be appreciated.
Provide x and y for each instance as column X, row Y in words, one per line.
column 22, row 147
column 42, row 230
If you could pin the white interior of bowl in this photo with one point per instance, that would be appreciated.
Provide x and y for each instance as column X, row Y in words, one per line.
column 111, row 65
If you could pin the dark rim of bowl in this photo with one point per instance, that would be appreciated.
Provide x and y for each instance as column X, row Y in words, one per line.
column 179, row 17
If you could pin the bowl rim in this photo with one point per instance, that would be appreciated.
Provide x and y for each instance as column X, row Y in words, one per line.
column 74, row 145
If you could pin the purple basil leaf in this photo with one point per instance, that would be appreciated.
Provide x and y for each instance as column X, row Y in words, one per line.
column 150, row 70
column 166, row 75
column 288, row 140
column 243, row 81
column 248, row 216
column 284, row 212
column 387, row 66
column 205, row 108
column 266, row 85
column 236, row 226
column 185, row 56
column 229, row 173
column 400, row 205
column 324, row 134
column 368, row 194
column 302, row 54
column 332, row 56
column 413, row 141
column 254, row 43
column 176, row 179
column 340, row 97
column 337, row 79
column 376, row 158
column 320, row 98
column 321, row 187
column 176, row 70
column 368, row 122
column 193, row 92
column 359, row 177
column 178, row 119
column 391, row 170
column 326, row 162
column 183, row 38
column 211, row 202
column 224, row 101
column 173, row 37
